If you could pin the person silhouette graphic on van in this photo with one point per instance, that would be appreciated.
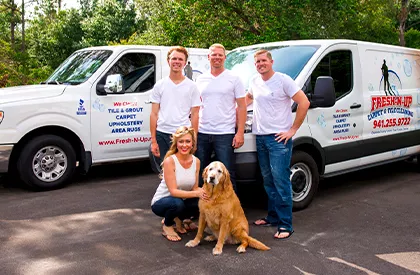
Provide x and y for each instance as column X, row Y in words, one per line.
column 387, row 86
column 188, row 70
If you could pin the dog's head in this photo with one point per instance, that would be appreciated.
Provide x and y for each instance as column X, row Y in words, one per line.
column 216, row 173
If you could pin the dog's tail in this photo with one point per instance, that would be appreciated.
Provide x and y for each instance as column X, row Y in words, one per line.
column 257, row 244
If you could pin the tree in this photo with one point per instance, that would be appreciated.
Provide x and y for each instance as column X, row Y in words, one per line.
column 12, row 14
column 237, row 23
column 111, row 21
column 53, row 39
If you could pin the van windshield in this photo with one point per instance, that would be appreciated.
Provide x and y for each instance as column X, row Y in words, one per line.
column 78, row 67
column 288, row 59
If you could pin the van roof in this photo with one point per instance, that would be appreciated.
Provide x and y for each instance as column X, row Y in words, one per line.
column 136, row 47
column 323, row 43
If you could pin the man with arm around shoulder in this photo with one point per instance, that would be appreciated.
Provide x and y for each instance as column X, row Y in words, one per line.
column 272, row 92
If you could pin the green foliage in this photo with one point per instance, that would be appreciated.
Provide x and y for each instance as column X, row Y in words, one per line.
column 110, row 22
column 237, row 23
column 53, row 40
column 53, row 34
column 412, row 38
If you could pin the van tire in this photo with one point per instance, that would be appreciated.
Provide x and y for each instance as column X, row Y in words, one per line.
column 304, row 178
column 38, row 167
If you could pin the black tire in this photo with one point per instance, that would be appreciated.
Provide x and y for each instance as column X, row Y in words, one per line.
column 47, row 162
column 154, row 162
column 304, row 178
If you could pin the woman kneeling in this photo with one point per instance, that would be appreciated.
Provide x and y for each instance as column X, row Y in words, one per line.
column 176, row 197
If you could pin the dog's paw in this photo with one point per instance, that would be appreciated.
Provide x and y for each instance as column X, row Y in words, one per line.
column 217, row 251
column 241, row 249
column 192, row 243
column 210, row 238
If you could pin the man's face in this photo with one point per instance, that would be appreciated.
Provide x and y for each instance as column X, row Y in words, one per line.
column 217, row 58
column 263, row 63
column 176, row 61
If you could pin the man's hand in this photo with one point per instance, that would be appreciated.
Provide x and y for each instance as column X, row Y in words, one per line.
column 238, row 140
column 285, row 135
column 155, row 149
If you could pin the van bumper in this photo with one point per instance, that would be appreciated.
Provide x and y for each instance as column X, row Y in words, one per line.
column 5, row 152
column 247, row 169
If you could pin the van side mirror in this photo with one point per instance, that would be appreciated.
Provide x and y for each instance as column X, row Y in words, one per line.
column 113, row 85
column 324, row 92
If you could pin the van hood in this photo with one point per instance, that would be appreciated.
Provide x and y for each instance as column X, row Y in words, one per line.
column 30, row 92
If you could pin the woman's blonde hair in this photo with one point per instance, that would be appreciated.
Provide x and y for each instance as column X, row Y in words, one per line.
column 179, row 133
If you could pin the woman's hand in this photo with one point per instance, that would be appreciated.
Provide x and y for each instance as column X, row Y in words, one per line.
column 202, row 195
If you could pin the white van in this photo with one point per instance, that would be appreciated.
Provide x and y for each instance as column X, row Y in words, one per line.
column 365, row 107
column 93, row 109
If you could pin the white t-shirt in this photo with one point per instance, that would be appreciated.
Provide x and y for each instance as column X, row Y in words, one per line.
column 219, row 94
column 176, row 101
column 185, row 179
column 272, row 103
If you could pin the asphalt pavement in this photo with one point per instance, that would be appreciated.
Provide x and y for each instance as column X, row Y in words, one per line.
column 367, row 222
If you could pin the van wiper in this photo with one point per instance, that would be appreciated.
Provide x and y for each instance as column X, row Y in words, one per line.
column 53, row 82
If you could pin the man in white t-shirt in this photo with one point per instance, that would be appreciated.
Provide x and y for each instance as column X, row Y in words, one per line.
column 222, row 93
column 272, row 94
column 173, row 99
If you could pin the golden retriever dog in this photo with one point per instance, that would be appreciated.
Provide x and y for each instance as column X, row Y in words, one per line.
column 223, row 213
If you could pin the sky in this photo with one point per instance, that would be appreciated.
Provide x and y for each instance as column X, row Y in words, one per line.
column 68, row 4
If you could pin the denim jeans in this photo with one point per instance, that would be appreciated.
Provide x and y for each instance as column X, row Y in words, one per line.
column 171, row 207
column 274, row 159
column 221, row 145
column 164, row 142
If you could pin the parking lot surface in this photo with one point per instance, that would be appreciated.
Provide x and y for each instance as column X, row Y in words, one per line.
column 367, row 222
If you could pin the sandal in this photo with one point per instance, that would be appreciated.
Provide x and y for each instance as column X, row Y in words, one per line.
column 179, row 226
column 171, row 237
column 170, row 234
column 263, row 222
column 282, row 230
column 189, row 225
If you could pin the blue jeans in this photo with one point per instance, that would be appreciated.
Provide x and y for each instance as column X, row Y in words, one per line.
column 221, row 145
column 171, row 207
column 274, row 159
column 164, row 142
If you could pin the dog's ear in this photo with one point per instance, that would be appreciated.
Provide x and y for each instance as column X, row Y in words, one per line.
column 204, row 175
column 226, row 177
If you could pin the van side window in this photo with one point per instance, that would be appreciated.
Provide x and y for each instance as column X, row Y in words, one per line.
column 338, row 65
column 137, row 70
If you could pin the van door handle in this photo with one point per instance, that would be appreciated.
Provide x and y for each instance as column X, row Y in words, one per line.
column 355, row 106
column 147, row 101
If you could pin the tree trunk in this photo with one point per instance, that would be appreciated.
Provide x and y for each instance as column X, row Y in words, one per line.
column 12, row 23
column 402, row 18
column 23, row 47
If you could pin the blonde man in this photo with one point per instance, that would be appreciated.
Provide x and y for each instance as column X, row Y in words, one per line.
column 221, row 92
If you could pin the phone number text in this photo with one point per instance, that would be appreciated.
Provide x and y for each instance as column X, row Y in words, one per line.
column 391, row 122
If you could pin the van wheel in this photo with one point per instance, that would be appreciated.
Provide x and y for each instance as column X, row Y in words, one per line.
column 154, row 162
column 304, row 178
column 47, row 162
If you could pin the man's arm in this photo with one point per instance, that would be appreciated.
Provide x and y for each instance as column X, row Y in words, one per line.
column 303, row 105
column 153, row 127
column 248, row 99
column 194, row 118
column 238, row 140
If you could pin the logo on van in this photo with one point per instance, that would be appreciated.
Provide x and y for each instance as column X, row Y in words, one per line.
column 81, row 111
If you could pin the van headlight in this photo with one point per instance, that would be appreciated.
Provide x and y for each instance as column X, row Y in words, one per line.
column 1, row 116
column 248, row 122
